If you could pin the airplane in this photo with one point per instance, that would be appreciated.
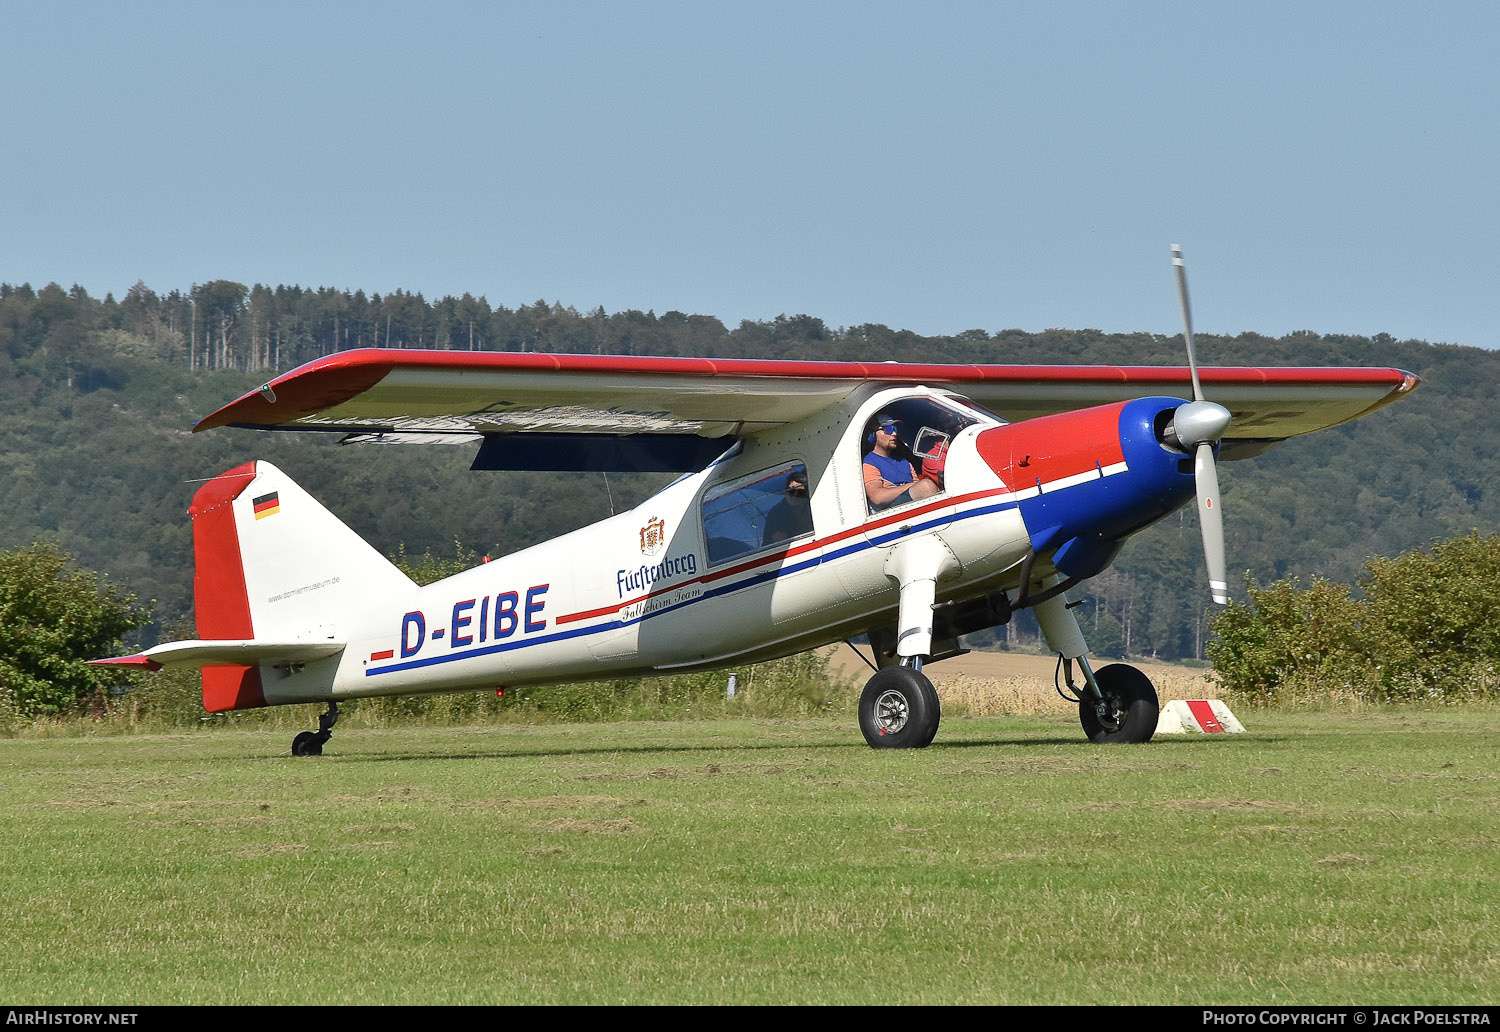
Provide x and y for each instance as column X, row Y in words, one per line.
column 818, row 502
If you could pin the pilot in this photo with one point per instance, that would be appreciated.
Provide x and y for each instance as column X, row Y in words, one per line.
column 889, row 479
column 792, row 516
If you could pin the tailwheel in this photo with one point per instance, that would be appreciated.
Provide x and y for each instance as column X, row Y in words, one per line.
column 307, row 744
column 899, row 709
column 310, row 743
column 1128, row 710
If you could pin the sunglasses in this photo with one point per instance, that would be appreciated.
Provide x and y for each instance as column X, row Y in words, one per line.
column 889, row 428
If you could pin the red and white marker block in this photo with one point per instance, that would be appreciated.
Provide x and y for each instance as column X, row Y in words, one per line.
column 1202, row 716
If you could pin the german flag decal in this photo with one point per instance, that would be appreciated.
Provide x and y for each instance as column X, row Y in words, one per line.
column 267, row 505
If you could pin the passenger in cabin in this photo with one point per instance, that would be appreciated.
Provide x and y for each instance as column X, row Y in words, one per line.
column 889, row 479
column 792, row 516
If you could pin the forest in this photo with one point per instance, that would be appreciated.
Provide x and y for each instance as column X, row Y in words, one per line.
column 98, row 399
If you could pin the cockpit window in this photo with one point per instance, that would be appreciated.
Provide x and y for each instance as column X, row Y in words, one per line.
column 971, row 404
column 905, row 449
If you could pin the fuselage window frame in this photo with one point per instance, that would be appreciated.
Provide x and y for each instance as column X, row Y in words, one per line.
column 746, row 516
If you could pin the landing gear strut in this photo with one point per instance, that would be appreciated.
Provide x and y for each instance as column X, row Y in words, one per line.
column 899, row 708
column 310, row 743
column 1117, row 703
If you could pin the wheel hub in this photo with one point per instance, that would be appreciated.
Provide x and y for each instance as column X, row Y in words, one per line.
column 891, row 712
column 1109, row 711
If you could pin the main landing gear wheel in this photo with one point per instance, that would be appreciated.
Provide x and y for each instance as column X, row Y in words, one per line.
column 899, row 709
column 310, row 743
column 1129, row 710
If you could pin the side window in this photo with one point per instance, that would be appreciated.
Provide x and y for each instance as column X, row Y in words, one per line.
column 904, row 451
column 756, row 512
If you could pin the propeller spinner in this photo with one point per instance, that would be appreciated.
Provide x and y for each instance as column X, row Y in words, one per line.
column 1194, row 429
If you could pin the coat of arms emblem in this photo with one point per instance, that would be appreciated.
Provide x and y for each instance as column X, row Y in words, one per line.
column 653, row 536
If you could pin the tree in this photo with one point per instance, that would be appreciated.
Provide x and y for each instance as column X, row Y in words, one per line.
column 1437, row 614
column 1290, row 643
column 55, row 617
column 427, row 568
column 220, row 304
column 1427, row 628
column 1106, row 638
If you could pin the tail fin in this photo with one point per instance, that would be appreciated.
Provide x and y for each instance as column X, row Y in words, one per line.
column 274, row 566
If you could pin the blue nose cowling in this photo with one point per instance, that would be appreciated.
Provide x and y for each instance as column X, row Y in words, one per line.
column 1087, row 523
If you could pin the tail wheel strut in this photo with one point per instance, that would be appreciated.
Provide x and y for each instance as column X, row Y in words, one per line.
column 310, row 743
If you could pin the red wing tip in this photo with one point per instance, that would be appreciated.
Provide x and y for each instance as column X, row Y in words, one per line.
column 140, row 661
column 216, row 418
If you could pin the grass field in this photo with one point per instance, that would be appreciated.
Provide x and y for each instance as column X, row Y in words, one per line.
column 1325, row 858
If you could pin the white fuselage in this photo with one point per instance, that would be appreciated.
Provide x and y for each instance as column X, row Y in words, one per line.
column 651, row 590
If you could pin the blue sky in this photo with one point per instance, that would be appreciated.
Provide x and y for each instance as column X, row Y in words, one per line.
column 937, row 167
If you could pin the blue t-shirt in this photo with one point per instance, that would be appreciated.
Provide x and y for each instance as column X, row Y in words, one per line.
column 894, row 471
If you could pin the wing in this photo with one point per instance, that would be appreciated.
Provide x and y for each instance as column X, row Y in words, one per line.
column 682, row 409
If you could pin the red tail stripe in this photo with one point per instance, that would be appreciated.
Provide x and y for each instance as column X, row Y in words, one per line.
column 221, row 603
column 232, row 688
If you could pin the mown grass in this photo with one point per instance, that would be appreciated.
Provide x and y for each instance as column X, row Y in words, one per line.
column 1322, row 858
column 801, row 685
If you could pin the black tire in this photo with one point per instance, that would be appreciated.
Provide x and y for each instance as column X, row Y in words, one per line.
column 1132, row 703
column 307, row 744
column 899, row 709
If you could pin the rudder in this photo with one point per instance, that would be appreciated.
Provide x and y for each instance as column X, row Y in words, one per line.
column 270, row 562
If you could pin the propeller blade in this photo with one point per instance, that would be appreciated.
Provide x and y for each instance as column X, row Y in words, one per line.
column 1199, row 425
column 1211, row 521
column 1180, row 268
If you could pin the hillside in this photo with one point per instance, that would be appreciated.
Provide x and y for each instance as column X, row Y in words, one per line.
column 97, row 398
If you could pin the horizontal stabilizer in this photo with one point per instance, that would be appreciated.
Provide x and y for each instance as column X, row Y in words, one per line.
column 251, row 652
